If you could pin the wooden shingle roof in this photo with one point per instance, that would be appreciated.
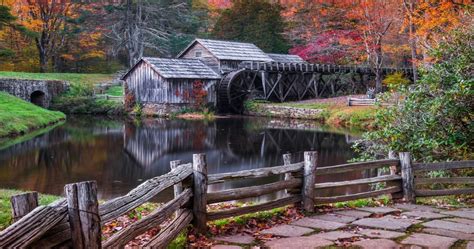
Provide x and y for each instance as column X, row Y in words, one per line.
column 286, row 58
column 227, row 50
column 179, row 68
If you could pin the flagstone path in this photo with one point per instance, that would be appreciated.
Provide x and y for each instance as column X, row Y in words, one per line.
column 397, row 226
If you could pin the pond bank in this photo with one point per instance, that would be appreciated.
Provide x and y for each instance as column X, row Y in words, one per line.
column 331, row 111
column 18, row 117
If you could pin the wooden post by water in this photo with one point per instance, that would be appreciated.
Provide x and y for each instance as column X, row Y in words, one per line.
column 177, row 188
column 310, row 165
column 83, row 211
column 200, row 191
column 287, row 158
column 22, row 204
column 408, row 180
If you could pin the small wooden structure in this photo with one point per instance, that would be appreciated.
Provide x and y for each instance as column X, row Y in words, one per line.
column 159, row 81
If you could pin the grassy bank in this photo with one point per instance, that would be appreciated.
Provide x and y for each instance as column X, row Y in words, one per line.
column 18, row 116
column 73, row 78
column 333, row 113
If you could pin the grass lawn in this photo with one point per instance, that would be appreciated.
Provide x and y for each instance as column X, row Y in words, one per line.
column 73, row 78
column 5, row 208
column 115, row 91
column 18, row 116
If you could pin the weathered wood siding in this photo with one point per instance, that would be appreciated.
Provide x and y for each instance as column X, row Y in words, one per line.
column 149, row 87
column 228, row 65
column 206, row 56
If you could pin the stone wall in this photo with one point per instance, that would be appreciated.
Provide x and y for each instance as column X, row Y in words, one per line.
column 268, row 110
column 42, row 91
column 161, row 110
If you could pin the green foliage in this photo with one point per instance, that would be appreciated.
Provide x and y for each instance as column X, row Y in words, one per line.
column 384, row 199
column 87, row 105
column 138, row 110
column 255, row 21
column 180, row 241
column 6, row 18
column 115, row 91
column 434, row 122
column 18, row 116
column 396, row 81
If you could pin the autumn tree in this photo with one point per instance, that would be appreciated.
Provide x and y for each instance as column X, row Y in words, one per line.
column 428, row 22
column 377, row 17
column 6, row 20
column 255, row 21
column 47, row 19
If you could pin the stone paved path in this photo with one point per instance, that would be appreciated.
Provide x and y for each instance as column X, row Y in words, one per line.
column 398, row 226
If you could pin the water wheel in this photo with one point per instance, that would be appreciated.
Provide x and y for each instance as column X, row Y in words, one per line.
column 234, row 89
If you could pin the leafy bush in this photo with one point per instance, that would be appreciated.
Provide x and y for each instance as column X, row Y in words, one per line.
column 434, row 122
column 396, row 81
column 87, row 105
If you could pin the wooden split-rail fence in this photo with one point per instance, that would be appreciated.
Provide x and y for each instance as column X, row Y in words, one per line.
column 76, row 221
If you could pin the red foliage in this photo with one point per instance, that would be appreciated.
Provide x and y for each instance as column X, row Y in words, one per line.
column 332, row 47
column 197, row 95
column 129, row 99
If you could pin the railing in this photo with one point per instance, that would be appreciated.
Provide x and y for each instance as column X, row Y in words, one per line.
column 76, row 220
column 109, row 97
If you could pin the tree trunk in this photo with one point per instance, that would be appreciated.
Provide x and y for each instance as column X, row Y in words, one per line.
column 411, row 32
column 43, row 61
column 378, row 67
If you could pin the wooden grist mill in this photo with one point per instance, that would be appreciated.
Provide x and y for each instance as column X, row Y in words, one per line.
column 233, row 72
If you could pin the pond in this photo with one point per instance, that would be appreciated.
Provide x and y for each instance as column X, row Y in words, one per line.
column 121, row 154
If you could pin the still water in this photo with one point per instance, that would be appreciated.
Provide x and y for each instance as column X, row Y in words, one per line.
column 121, row 154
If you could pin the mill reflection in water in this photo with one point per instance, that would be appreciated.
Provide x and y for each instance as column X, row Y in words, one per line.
column 120, row 155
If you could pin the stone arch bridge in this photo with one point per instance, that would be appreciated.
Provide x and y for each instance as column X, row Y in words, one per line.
column 38, row 92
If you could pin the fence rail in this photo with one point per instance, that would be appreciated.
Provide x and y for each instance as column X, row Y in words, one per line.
column 76, row 221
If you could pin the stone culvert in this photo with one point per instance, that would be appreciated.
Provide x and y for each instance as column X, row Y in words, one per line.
column 38, row 92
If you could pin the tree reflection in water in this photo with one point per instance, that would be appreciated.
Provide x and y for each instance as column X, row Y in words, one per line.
column 119, row 154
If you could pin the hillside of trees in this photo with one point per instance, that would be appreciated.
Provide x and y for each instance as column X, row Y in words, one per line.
column 105, row 36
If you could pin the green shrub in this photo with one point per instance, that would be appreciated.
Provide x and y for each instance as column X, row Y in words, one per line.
column 396, row 81
column 87, row 105
column 435, row 120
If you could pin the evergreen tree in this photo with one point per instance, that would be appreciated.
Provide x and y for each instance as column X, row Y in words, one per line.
column 6, row 20
column 255, row 21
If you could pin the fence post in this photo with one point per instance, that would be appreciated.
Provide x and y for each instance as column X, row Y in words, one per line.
column 407, row 177
column 287, row 158
column 392, row 155
column 22, row 204
column 309, row 179
column 83, row 211
column 200, row 192
column 178, row 187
